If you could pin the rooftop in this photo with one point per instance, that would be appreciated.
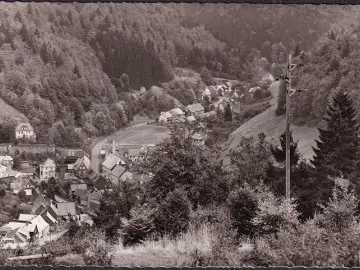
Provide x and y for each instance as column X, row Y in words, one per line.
column 194, row 107
column 49, row 163
column 24, row 126
column 66, row 208
column 118, row 171
column 110, row 163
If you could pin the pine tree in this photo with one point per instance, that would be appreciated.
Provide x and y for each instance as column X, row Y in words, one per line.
column 280, row 153
column 228, row 113
column 336, row 149
column 297, row 51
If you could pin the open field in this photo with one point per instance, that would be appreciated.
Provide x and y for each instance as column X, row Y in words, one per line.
column 145, row 134
column 273, row 126
column 8, row 111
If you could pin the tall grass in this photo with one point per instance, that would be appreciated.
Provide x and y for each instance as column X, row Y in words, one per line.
column 188, row 249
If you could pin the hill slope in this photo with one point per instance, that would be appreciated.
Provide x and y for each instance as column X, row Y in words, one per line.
column 273, row 126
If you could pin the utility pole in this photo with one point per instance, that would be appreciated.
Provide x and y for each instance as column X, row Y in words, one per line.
column 289, row 93
column 287, row 164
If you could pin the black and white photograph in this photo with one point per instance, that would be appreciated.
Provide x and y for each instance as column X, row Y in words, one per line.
column 179, row 134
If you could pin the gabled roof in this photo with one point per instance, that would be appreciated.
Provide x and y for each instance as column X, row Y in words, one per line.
column 49, row 219
column 176, row 112
column 206, row 92
column 26, row 217
column 49, row 163
column 78, row 186
column 70, row 160
column 166, row 114
column 25, row 125
column 40, row 223
column 110, row 163
column 118, row 171
column 65, row 208
column 101, row 183
column 194, row 107
column 94, row 205
column 83, row 160
column 93, row 176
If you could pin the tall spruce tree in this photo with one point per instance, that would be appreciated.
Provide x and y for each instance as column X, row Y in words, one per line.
column 336, row 149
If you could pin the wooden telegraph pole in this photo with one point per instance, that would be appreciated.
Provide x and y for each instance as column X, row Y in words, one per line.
column 288, row 92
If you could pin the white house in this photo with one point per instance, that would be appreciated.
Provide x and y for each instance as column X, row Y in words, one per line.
column 47, row 170
column 25, row 131
column 42, row 225
column 7, row 161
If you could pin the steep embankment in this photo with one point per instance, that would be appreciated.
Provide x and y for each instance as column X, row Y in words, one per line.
column 273, row 126
column 8, row 111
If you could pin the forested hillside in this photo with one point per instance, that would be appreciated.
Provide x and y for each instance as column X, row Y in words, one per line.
column 269, row 30
column 331, row 65
column 71, row 64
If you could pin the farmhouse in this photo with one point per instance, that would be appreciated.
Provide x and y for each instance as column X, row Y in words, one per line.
column 116, row 173
column 136, row 154
column 194, row 109
column 177, row 115
column 25, row 131
column 47, row 170
column 164, row 118
column 82, row 167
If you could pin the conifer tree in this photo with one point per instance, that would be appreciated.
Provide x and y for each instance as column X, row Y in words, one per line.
column 280, row 153
column 228, row 113
column 336, row 149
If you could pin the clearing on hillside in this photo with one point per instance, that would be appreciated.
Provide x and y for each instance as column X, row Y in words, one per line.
column 146, row 134
column 8, row 111
column 273, row 126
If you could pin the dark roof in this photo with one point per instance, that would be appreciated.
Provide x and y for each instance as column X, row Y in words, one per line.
column 44, row 215
column 83, row 194
column 70, row 160
column 94, row 205
column 93, row 176
column 101, row 183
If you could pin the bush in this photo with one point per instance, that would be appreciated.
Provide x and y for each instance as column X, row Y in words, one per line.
column 242, row 205
column 173, row 215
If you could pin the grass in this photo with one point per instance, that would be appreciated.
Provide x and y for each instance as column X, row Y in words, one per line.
column 166, row 252
column 273, row 126
column 7, row 110
column 147, row 134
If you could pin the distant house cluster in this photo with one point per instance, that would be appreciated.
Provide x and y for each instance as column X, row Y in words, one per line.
column 120, row 158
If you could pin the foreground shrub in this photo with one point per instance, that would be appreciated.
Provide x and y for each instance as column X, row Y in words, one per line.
column 172, row 216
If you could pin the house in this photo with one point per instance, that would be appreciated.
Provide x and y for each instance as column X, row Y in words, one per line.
column 22, row 184
column 75, row 187
column 59, row 199
column 85, row 218
column 49, row 216
column 27, row 233
column 206, row 94
column 3, row 171
column 136, row 154
column 177, row 115
column 108, row 165
column 102, row 183
column 116, row 173
column 198, row 138
column 82, row 196
column 82, row 167
column 25, row 131
column 26, row 217
column 194, row 109
column 164, row 118
column 26, row 168
column 66, row 209
column 7, row 161
column 47, row 170
column 42, row 226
